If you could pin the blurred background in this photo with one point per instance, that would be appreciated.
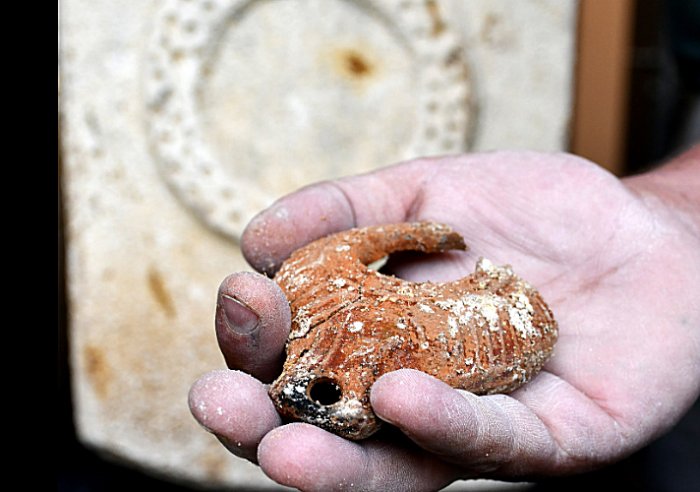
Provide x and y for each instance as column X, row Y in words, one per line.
column 638, row 81
column 634, row 103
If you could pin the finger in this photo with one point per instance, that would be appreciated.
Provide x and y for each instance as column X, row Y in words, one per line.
column 383, row 196
column 560, row 430
column 252, row 324
column 309, row 458
column 482, row 434
column 235, row 407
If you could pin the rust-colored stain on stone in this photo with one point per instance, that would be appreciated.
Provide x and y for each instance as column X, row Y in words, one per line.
column 357, row 65
column 98, row 370
column 489, row 332
column 160, row 292
column 354, row 64
column 434, row 13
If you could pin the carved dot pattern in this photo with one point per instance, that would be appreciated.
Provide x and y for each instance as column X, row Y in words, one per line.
column 184, row 38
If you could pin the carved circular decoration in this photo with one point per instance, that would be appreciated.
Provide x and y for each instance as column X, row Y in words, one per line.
column 248, row 100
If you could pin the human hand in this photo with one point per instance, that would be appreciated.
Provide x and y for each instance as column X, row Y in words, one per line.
column 618, row 264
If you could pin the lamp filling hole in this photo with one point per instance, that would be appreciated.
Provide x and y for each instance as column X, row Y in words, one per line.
column 325, row 391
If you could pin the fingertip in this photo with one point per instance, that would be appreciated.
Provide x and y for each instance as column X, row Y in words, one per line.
column 294, row 220
column 396, row 395
column 203, row 398
column 235, row 407
column 222, row 399
column 309, row 458
column 331, row 206
column 252, row 323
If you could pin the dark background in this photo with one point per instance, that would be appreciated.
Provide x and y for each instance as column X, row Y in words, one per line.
column 664, row 118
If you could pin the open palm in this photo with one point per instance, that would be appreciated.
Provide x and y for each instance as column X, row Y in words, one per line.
column 620, row 273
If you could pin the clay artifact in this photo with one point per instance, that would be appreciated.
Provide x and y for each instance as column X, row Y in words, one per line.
column 489, row 332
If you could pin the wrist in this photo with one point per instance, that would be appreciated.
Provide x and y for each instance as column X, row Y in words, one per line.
column 674, row 187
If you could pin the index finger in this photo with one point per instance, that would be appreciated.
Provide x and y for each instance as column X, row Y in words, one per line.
column 383, row 196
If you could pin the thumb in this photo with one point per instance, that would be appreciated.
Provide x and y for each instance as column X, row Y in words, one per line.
column 492, row 435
